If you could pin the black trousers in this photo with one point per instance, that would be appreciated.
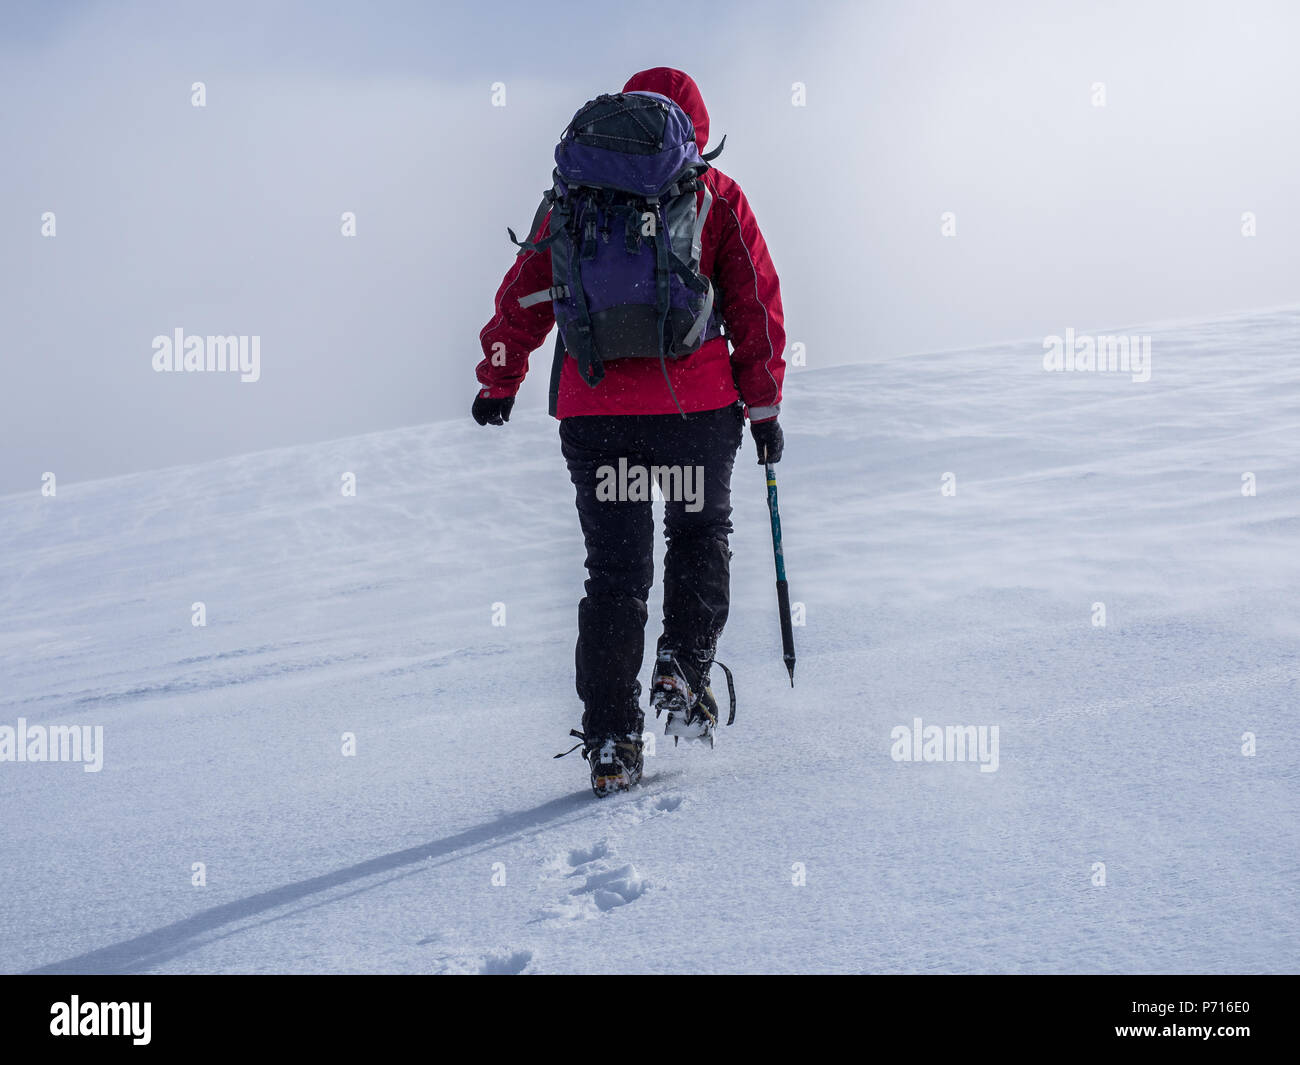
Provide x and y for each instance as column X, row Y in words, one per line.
column 612, row 460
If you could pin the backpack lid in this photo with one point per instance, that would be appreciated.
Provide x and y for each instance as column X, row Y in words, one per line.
column 638, row 142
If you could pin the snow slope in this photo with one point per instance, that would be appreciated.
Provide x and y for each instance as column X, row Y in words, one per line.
column 373, row 615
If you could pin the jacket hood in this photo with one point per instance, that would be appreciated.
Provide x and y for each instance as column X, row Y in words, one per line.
column 681, row 89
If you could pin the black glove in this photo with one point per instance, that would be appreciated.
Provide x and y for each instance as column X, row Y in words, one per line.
column 492, row 411
column 769, row 440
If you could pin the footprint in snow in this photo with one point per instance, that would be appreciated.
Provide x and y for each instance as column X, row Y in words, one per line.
column 582, row 855
column 613, row 887
column 605, row 886
column 513, row 963
column 506, row 963
column 566, row 862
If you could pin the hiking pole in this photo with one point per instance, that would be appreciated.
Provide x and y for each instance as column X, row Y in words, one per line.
column 782, row 588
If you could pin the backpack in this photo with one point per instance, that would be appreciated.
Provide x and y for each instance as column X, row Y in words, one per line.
column 625, row 237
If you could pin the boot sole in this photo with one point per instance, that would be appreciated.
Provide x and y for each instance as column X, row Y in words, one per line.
column 613, row 783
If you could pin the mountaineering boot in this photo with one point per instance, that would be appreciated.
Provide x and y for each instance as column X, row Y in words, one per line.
column 680, row 687
column 616, row 759
column 616, row 762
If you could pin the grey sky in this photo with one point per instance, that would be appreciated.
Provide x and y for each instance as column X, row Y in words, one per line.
column 225, row 219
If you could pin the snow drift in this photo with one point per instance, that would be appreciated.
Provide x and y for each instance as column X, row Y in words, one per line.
column 957, row 526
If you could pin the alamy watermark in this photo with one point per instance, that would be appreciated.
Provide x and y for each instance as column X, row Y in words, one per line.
column 633, row 483
column 179, row 353
column 53, row 743
column 946, row 743
column 76, row 1018
column 1081, row 353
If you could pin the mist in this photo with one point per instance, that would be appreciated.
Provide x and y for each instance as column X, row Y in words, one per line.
column 927, row 176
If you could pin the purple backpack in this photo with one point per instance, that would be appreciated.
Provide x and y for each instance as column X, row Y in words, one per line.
column 625, row 237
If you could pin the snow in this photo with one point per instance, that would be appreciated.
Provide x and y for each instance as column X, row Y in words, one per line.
column 373, row 615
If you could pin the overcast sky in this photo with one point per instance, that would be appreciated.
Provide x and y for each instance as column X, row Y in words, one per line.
column 225, row 219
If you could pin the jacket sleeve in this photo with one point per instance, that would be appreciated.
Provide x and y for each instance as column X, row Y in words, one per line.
column 515, row 332
column 750, row 296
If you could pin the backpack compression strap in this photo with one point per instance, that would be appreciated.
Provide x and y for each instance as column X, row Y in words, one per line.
column 690, row 277
column 579, row 339
column 544, row 295
column 548, row 198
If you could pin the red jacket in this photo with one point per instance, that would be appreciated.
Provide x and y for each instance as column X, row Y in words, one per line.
column 734, row 255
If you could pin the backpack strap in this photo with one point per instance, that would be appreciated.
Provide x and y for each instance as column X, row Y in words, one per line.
column 701, row 216
column 548, row 199
column 579, row 335
column 579, row 341
column 533, row 245
column 666, row 258
column 557, row 364
column 690, row 278
column 708, row 157
column 556, row 292
column 701, row 319
column 701, row 287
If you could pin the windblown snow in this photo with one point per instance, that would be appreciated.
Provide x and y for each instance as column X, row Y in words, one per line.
column 1090, row 578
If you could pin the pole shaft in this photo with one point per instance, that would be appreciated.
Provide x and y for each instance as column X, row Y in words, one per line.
column 775, row 514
